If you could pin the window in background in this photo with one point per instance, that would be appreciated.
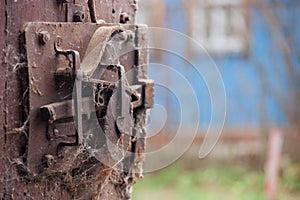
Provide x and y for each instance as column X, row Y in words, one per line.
column 221, row 26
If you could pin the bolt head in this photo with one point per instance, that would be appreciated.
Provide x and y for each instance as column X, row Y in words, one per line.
column 44, row 37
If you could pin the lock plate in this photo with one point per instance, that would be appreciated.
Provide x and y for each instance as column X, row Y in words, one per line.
column 44, row 62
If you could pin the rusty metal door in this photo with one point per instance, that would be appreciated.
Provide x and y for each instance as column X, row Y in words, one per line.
column 74, row 93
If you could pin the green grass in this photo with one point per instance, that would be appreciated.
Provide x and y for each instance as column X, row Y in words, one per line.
column 212, row 183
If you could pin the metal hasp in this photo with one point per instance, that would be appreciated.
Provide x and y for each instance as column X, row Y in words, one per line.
column 77, row 71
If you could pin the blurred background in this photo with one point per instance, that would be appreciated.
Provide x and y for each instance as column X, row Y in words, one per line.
column 255, row 45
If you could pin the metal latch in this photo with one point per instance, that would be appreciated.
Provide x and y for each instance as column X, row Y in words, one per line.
column 72, row 64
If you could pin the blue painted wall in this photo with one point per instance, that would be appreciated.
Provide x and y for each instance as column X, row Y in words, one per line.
column 249, row 102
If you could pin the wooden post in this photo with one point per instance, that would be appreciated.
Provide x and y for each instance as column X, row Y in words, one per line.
column 16, row 181
column 273, row 163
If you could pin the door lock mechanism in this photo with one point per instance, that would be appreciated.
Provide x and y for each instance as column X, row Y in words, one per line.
column 77, row 80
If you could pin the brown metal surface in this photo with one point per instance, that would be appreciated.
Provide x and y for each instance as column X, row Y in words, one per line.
column 21, row 159
column 75, row 12
column 110, row 11
column 148, row 94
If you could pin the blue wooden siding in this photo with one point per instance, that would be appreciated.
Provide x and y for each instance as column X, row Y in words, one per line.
column 249, row 103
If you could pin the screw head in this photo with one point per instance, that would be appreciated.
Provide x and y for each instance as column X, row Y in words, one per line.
column 44, row 37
